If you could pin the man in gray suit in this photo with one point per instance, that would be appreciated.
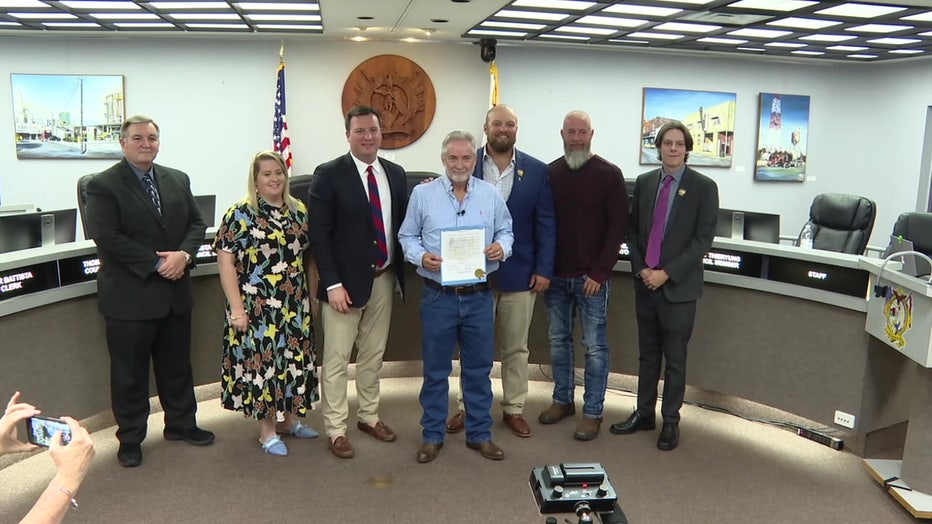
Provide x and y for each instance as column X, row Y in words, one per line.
column 673, row 215
column 148, row 228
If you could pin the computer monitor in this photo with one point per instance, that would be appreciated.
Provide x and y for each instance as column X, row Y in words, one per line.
column 208, row 206
column 16, row 209
column 748, row 225
column 911, row 264
column 30, row 230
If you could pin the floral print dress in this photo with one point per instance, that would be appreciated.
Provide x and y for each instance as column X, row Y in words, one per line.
column 270, row 367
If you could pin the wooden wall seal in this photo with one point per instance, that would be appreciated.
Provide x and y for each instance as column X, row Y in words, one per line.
column 400, row 90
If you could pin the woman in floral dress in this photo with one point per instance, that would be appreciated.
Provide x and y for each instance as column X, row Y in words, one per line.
column 268, row 343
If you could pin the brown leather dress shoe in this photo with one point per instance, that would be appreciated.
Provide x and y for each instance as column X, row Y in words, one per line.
column 341, row 447
column 556, row 412
column 517, row 424
column 379, row 431
column 487, row 449
column 428, row 451
column 457, row 422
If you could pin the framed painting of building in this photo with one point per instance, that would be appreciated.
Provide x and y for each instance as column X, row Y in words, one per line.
column 782, row 135
column 67, row 116
column 709, row 116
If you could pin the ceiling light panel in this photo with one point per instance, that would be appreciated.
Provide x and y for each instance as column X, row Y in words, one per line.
column 784, row 44
column 860, row 10
column 531, row 15
column 640, row 10
column 40, row 16
column 204, row 16
column 492, row 32
column 827, row 38
column 759, row 33
column 565, row 5
column 894, row 41
column 22, row 4
column 513, row 25
column 687, row 28
column 190, row 5
column 906, row 51
column 803, row 23
column 586, row 30
column 143, row 25
column 879, row 28
column 847, row 48
column 611, row 21
column 564, row 37
column 290, row 27
column 284, row 17
column 772, row 5
column 921, row 17
column 655, row 36
column 124, row 16
column 101, row 5
column 717, row 40
column 277, row 6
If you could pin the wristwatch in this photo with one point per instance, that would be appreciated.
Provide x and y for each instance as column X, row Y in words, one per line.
column 187, row 257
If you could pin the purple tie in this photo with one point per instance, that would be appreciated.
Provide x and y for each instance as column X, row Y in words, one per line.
column 375, row 205
column 659, row 224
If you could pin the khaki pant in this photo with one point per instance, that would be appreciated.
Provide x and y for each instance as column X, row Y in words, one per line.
column 366, row 327
column 513, row 314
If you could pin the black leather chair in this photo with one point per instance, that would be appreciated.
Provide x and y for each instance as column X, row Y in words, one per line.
column 298, row 186
column 917, row 228
column 841, row 223
column 416, row 177
column 82, row 201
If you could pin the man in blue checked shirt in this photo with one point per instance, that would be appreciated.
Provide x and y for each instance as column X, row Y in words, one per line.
column 456, row 314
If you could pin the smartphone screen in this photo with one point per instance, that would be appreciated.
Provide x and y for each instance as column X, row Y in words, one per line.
column 42, row 429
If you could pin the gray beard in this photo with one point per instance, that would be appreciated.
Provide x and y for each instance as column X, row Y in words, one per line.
column 576, row 159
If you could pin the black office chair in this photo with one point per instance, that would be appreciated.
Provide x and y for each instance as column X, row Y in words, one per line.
column 841, row 223
column 298, row 185
column 917, row 228
column 416, row 177
column 82, row 202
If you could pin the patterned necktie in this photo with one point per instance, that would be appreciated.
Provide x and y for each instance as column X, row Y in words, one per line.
column 153, row 193
column 375, row 204
column 659, row 224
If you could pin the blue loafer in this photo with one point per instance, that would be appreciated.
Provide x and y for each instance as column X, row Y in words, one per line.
column 275, row 446
column 301, row 430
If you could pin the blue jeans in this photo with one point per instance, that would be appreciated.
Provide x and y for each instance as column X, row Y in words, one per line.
column 448, row 320
column 564, row 299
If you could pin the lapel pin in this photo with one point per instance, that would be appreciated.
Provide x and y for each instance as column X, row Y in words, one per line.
column 681, row 192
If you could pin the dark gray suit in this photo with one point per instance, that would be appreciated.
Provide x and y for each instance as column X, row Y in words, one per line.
column 147, row 316
column 665, row 316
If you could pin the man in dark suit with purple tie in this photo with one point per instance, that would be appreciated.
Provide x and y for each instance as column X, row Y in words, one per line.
column 673, row 214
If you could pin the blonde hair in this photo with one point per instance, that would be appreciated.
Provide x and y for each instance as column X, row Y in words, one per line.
column 251, row 191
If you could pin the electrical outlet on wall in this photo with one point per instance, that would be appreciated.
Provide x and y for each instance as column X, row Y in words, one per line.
column 844, row 419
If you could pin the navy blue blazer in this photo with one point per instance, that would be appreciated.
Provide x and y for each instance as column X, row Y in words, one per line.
column 533, row 222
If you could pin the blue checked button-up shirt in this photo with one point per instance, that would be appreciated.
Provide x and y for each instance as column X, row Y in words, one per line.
column 432, row 208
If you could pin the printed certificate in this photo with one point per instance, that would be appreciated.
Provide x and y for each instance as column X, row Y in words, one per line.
column 463, row 260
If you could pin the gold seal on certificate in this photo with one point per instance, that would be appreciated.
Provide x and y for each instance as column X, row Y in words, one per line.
column 462, row 250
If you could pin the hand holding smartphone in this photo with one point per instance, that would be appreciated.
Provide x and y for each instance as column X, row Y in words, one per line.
column 42, row 429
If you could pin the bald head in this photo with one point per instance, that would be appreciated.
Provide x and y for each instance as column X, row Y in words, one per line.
column 501, row 128
column 577, row 138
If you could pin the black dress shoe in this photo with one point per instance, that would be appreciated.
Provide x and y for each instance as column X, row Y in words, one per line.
column 130, row 455
column 635, row 422
column 194, row 436
column 669, row 436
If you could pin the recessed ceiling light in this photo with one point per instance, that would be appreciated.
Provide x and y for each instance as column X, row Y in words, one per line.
column 586, row 30
column 564, row 37
column 755, row 49
column 285, row 17
column 803, row 23
column 860, row 10
column 894, row 41
column 760, row 33
column 23, row 4
column 640, row 10
column 358, row 39
column 846, row 48
column 728, row 41
column 278, row 6
column 610, row 21
column 906, row 51
column 772, row 5
column 921, row 17
column 142, row 25
column 862, row 56
column 827, row 38
column 513, row 25
column 694, row 2
column 64, row 25
column 217, row 26
column 47, row 16
column 878, row 28
column 655, row 36
column 492, row 32
column 530, row 15
column 5, row 23
column 688, row 28
column 412, row 40
column 287, row 27
column 190, row 5
column 810, row 53
column 568, row 5
column 626, row 41
column 124, row 16
column 784, row 44
column 205, row 16
column 96, row 5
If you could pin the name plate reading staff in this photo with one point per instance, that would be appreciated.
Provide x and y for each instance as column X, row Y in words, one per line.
column 75, row 270
column 734, row 262
column 844, row 280
column 28, row 279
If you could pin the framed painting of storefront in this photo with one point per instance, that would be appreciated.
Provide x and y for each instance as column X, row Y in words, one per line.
column 709, row 116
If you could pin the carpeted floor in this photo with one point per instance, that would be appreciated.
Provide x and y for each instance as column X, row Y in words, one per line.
column 726, row 470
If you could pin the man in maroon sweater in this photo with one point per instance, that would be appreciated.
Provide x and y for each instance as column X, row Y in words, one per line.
column 591, row 206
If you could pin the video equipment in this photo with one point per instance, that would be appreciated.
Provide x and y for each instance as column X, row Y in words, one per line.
column 487, row 49
column 573, row 488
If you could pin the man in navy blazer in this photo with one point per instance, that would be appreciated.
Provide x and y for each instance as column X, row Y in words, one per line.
column 357, row 278
column 523, row 182
column 147, row 228
column 667, row 243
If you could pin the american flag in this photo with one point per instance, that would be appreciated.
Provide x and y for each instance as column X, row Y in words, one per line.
column 280, row 141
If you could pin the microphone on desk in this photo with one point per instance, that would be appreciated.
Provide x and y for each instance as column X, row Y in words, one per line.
column 461, row 213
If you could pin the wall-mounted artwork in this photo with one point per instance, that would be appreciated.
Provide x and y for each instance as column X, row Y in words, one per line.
column 782, row 133
column 709, row 116
column 68, row 116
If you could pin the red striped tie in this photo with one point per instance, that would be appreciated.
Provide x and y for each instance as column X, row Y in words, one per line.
column 375, row 204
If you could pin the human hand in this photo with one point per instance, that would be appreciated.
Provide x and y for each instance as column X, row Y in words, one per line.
column 239, row 321
column 73, row 460
column 590, row 287
column 654, row 278
column 494, row 252
column 539, row 283
column 15, row 413
column 431, row 262
column 173, row 265
column 339, row 299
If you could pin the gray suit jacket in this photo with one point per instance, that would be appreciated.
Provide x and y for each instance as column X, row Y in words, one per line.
column 689, row 233
column 128, row 231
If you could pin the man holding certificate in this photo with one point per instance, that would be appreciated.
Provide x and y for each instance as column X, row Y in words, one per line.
column 456, row 231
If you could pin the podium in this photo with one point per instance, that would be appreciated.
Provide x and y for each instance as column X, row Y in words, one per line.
column 899, row 313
